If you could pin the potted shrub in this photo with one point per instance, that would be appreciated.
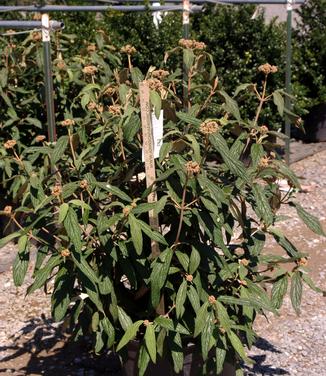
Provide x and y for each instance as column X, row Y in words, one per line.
column 85, row 204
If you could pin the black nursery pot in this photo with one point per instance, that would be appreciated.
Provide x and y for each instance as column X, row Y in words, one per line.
column 192, row 364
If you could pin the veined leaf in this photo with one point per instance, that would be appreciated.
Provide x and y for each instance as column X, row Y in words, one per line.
column 238, row 347
column 43, row 274
column 130, row 334
column 63, row 210
column 310, row 220
column 279, row 290
column 188, row 119
column 230, row 105
column 181, row 298
column 118, row 192
column 279, row 102
column 201, row 318
column 150, row 341
column 296, row 291
column 206, row 335
column 72, row 227
column 194, row 261
column 124, row 319
column 136, row 235
column 143, row 360
column 263, row 208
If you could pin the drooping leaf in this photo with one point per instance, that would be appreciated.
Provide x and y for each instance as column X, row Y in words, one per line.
column 150, row 341
column 310, row 220
column 72, row 227
column 194, row 260
column 124, row 319
column 181, row 298
column 130, row 334
column 296, row 291
column 279, row 290
column 136, row 234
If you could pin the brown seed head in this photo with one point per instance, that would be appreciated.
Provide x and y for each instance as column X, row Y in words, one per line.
column 191, row 43
column 56, row 190
column 242, row 282
column 67, row 122
column 100, row 108
column 192, row 167
column 272, row 155
column 208, row 127
column 40, row 138
column 10, row 144
column 199, row 45
column 65, row 252
column 61, row 65
column 189, row 277
column 126, row 210
column 244, row 262
column 267, row 69
column 7, row 210
column 37, row 16
column 212, row 299
column 133, row 204
column 298, row 122
column 128, row 49
column 110, row 91
column 146, row 322
column 91, row 47
column 90, row 69
column 302, row 261
column 155, row 84
column 264, row 162
column 222, row 330
column 91, row 106
column 160, row 74
column 83, row 184
column 263, row 129
column 36, row 36
column 115, row 110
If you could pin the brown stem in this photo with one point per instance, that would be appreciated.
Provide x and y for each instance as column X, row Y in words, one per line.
column 261, row 101
column 72, row 147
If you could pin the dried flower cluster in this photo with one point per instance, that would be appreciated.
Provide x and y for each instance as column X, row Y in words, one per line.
column 7, row 210
column 126, row 210
column 110, row 91
column 155, row 84
column 263, row 129
column 67, row 122
column 128, row 49
column 264, row 162
column 10, row 144
column 208, row 127
column 192, row 167
column 40, row 138
column 83, row 184
column 267, row 68
column 192, row 44
column 61, row 64
column 36, row 36
column 212, row 299
column 65, row 252
column 56, row 190
column 189, row 277
column 114, row 110
column 90, row 69
column 160, row 74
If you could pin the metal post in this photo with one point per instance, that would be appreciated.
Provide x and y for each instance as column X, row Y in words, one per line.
column 185, row 29
column 288, row 79
column 48, row 81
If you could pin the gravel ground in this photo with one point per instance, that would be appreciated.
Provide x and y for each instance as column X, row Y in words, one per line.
column 30, row 344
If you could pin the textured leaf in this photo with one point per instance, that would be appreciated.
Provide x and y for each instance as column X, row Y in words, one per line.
column 130, row 334
column 20, row 267
column 109, row 330
column 194, row 260
column 124, row 319
column 118, row 192
column 206, row 336
column 201, row 318
column 284, row 243
column 279, row 102
column 263, row 208
column 296, row 291
column 150, row 341
column 143, row 360
column 279, row 290
column 59, row 149
column 188, row 119
column 230, row 105
column 43, row 274
column 136, row 235
column 177, row 352
column 156, row 102
column 310, row 220
column 193, row 298
column 72, row 227
column 63, row 210
column 235, row 166
column 238, row 347
column 181, row 298
column 220, row 355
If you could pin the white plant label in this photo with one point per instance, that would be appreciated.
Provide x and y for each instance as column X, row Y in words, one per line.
column 45, row 28
column 157, row 134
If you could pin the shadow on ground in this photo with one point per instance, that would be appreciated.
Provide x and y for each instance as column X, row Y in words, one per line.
column 40, row 348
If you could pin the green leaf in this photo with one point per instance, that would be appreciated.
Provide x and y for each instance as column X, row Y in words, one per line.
column 284, row 243
column 177, row 352
column 150, row 341
column 310, row 220
column 159, row 274
column 43, row 274
column 193, row 298
column 72, row 227
column 206, row 336
column 95, row 321
column 183, row 259
column 230, row 105
column 9, row 238
column 109, row 330
column 63, row 210
column 188, row 119
column 156, row 101
column 279, row 102
column 188, row 58
column 136, row 75
column 20, row 267
column 130, row 334
column 59, row 149
column 118, row 192
column 154, row 235
column 242, row 87
column 124, row 319
column 296, row 291
column 180, row 299
column 235, row 166
column 194, row 261
column 279, row 290
column 263, row 208
column 238, row 347
column 201, row 318
column 136, row 234
column 143, row 360
column 99, row 343
column 220, row 355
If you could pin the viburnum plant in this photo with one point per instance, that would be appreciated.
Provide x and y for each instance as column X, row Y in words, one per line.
column 83, row 203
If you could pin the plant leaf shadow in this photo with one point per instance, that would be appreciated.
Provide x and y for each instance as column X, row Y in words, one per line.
column 41, row 348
